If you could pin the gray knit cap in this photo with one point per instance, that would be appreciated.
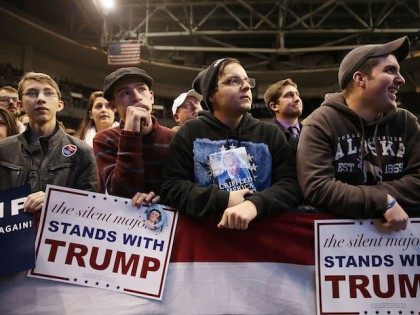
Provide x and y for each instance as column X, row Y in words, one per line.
column 205, row 81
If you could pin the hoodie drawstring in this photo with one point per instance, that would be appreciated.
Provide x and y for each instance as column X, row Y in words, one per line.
column 362, row 148
column 239, row 137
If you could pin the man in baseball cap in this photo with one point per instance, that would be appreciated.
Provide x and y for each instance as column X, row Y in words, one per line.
column 359, row 56
column 359, row 154
column 185, row 107
column 130, row 157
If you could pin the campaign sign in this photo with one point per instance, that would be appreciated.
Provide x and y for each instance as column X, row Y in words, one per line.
column 362, row 269
column 17, row 231
column 102, row 241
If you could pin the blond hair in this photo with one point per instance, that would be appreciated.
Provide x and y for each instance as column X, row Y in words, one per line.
column 39, row 77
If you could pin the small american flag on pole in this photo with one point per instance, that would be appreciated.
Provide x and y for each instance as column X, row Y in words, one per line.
column 124, row 53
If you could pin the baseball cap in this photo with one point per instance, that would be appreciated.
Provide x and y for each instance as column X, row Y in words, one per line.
column 112, row 79
column 181, row 99
column 356, row 58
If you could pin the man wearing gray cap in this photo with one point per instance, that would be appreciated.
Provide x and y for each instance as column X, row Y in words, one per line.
column 185, row 107
column 359, row 155
column 130, row 157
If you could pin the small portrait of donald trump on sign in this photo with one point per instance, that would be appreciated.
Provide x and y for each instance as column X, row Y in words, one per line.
column 155, row 217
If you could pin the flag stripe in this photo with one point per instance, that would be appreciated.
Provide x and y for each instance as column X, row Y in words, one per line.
column 191, row 288
column 286, row 237
column 266, row 269
column 124, row 53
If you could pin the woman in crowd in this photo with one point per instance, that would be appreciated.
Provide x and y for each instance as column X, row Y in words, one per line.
column 99, row 116
column 24, row 119
column 8, row 126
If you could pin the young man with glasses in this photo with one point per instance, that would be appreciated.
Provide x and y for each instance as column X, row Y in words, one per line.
column 44, row 153
column 9, row 101
column 195, row 157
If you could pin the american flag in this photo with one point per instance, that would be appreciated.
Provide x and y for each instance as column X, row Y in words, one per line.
column 124, row 53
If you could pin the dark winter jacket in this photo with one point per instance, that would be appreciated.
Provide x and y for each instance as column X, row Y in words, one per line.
column 59, row 159
column 129, row 162
column 189, row 185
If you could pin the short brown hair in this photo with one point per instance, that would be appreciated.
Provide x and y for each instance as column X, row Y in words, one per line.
column 9, row 88
column 275, row 90
column 39, row 77
column 366, row 69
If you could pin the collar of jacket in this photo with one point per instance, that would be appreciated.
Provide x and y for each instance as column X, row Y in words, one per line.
column 45, row 141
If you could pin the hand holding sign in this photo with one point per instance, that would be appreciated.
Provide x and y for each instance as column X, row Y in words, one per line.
column 34, row 202
column 102, row 241
column 17, row 232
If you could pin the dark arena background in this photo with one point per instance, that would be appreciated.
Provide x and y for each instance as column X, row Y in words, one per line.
column 285, row 244
column 302, row 40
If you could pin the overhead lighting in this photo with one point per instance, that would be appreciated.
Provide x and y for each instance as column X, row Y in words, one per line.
column 107, row 4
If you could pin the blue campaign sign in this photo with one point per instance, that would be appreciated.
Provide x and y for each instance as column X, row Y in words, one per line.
column 17, row 231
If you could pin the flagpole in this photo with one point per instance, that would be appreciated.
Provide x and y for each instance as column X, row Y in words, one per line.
column 147, row 20
column 104, row 34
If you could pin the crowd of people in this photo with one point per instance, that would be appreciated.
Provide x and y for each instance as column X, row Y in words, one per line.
column 357, row 155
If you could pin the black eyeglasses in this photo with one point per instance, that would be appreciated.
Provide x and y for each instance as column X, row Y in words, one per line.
column 6, row 99
column 237, row 81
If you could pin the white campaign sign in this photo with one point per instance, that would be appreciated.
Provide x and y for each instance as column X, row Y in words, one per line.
column 362, row 269
column 102, row 241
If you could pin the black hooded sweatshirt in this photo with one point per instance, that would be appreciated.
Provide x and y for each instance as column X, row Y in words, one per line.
column 348, row 165
column 188, row 184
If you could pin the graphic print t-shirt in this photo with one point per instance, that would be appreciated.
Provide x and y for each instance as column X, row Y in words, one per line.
column 231, row 169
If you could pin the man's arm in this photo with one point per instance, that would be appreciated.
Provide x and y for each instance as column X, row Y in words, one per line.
column 120, row 162
column 178, row 188
column 406, row 188
column 316, row 176
column 283, row 195
column 239, row 216
column 396, row 218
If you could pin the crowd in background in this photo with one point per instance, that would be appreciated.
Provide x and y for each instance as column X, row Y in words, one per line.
column 357, row 155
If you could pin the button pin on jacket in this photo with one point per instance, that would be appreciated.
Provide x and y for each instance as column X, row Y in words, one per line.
column 68, row 150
